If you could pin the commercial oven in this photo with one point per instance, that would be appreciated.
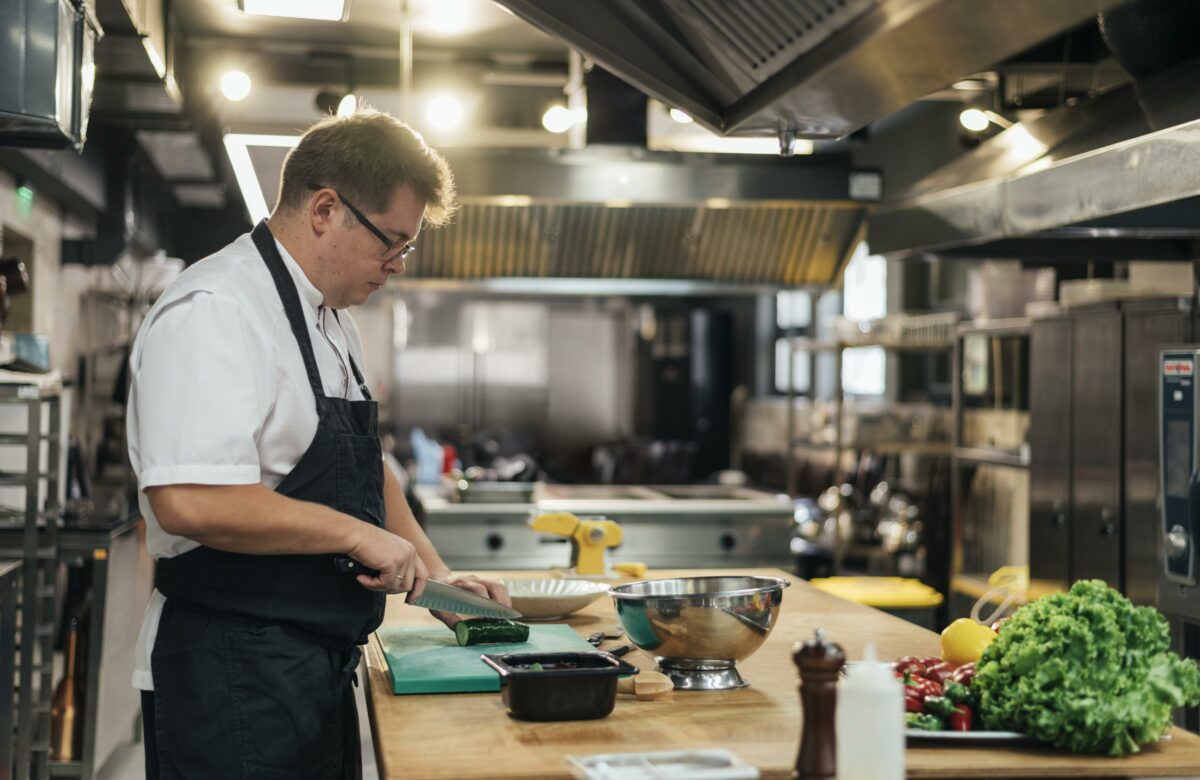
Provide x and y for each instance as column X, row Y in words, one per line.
column 1178, row 476
column 1093, row 441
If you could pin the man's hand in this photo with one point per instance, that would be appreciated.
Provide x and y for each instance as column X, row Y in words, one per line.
column 489, row 589
column 394, row 557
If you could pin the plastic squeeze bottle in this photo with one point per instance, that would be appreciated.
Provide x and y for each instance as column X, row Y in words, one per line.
column 870, row 721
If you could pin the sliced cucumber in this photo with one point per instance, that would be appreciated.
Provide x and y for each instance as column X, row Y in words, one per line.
column 484, row 631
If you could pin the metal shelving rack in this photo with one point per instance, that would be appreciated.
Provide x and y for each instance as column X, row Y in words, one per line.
column 33, row 539
column 10, row 577
column 839, row 444
column 973, row 585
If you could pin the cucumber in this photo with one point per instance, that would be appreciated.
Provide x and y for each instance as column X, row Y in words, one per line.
column 483, row 631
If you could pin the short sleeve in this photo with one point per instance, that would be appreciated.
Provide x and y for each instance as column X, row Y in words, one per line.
column 201, row 391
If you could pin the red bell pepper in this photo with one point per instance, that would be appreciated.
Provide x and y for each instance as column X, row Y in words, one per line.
column 961, row 719
column 941, row 671
column 911, row 664
column 964, row 674
column 928, row 687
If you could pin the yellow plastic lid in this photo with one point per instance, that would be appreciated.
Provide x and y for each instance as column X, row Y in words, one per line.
column 880, row 592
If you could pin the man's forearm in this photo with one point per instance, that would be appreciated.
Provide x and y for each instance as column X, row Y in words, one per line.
column 254, row 519
column 400, row 521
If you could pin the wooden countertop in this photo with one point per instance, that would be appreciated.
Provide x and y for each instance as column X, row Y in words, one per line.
column 471, row 737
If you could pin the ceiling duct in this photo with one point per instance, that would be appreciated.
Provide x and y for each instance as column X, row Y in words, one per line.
column 1113, row 176
column 798, row 68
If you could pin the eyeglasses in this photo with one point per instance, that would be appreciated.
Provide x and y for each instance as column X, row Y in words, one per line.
column 392, row 250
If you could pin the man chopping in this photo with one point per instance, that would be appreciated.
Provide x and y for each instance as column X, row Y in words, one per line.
column 256, row 446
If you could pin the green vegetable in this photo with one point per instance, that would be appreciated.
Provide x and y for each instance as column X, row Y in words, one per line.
column 961, row 694
column 1085, row 670
column 480, row 631
column 940, row 706
column 924, row 722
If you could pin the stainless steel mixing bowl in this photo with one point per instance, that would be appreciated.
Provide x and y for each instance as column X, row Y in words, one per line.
column 698, row 628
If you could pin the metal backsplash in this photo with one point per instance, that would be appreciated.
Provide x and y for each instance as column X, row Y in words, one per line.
column 785, row 243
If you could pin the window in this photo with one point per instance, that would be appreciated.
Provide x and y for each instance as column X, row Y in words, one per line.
column 793, row 312
column 864, row 297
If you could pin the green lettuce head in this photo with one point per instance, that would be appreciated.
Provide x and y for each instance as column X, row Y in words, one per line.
column 1085, row 670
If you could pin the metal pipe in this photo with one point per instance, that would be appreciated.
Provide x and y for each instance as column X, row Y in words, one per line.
column 406, row 61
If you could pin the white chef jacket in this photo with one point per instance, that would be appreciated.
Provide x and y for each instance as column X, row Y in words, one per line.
column 218, row 392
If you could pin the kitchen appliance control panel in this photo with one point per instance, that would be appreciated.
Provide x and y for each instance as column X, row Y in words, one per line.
column 1179, row 479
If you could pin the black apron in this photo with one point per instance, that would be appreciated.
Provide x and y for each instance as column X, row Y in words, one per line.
column 255, row 654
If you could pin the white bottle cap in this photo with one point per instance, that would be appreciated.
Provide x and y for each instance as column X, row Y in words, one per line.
column 870, row 671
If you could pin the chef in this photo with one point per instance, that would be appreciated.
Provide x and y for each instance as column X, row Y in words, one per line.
column 255, row 441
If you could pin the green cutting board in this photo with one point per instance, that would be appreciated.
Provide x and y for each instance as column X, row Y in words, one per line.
column 429, row 660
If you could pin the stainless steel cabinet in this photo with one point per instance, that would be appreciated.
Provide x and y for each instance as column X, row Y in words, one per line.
column 1096, row 445
column 1050, row 450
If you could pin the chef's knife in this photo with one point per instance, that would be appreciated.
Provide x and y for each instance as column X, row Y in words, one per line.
column 440, row 596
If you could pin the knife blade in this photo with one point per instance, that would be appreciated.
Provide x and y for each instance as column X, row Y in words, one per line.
column 439, row 595
column 447, row 598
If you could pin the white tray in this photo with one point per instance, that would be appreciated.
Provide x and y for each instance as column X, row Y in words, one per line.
column 718, row 764
column 920, row 735
column 1009, row 737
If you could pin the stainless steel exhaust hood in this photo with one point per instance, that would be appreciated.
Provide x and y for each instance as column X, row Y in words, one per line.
column 1112, row 177
column 613, row 213
column 798, row 68
column 618, row 213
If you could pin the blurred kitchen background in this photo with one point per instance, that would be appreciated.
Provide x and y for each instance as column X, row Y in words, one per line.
column 889, row 325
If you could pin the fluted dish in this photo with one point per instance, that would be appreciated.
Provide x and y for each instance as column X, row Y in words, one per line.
column 698, row 628
column 545, row 599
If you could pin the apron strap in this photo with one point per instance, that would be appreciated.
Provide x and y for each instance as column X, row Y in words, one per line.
column 358, row 377
column 291, row 303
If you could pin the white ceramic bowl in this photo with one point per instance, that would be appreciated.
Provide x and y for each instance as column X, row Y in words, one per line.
column 545, row 599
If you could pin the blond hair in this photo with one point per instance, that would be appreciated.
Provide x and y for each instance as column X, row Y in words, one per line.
column 366, row 156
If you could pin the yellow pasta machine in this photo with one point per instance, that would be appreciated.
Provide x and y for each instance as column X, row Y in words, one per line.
column 590, row 538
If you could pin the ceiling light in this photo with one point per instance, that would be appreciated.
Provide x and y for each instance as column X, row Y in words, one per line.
column 970, row 85
column 444, row 17
column 347, row 105
column 558, row 119
column 681, row 117
column 324, row 10
column 445, row 112
column 235, row 85
column 974, row 120
column 237, row 146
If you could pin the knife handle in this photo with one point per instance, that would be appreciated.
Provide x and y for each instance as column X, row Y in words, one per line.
column 345, row 565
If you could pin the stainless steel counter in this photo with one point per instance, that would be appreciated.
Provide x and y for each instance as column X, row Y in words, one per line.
column 664, row 526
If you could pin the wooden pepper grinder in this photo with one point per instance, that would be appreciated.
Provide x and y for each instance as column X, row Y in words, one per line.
column 819, row 662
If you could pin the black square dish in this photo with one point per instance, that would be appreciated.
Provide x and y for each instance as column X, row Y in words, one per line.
column 559, row 686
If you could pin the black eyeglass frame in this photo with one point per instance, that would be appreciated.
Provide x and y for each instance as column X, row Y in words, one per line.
column 389, row 245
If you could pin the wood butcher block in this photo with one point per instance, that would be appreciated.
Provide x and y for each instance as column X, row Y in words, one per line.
column 471, row 737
